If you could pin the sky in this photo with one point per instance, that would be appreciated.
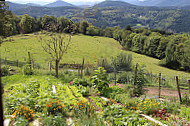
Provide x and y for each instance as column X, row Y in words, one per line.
column 42, row 2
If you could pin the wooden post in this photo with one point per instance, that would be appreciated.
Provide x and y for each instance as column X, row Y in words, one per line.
column 159, row 84
column 29, row 58
column 32, row 64
column 115, row 73
column 189, row 85
column 50, row 66
column 1, row 101
column 79, row 70
column 135, row 77
column 5, row 61
column 177, row 82
column 17, row 62
column 82, row 67
column 103, row 63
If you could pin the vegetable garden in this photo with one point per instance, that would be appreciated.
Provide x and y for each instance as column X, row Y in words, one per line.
column 46, row 100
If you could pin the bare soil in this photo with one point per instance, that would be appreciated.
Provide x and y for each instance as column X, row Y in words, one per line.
column 154, row 91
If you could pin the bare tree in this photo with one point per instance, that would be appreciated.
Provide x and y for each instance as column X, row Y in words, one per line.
column 56, row 47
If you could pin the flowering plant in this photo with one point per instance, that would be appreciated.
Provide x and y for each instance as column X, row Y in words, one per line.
column 23, row 111
column 53, row 106
column 82, row 107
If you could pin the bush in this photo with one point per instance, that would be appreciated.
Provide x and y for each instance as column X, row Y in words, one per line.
column 5, row 70
column 186, row 99
column 124, row 78
column 27, row 70
column 83, row 82
column 99, row 80
column 54, row 120
column 83, row 90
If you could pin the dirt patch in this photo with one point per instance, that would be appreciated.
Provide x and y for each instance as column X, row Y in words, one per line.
column 153, row 91
column 164, row 92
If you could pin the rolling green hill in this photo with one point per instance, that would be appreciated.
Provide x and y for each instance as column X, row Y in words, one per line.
column 91, row 48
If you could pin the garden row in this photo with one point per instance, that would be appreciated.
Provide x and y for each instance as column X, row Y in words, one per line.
column 52, row 103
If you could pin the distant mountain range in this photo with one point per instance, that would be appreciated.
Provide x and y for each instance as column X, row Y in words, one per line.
column 160, row 3
column 115, row 13
column 58, row 3
column 109, row 3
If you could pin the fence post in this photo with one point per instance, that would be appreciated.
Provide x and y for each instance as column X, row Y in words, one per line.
column 78, row 70
column 177, row 82
column 5, row 61
column 159, row 84
column 82, row 67
column 103, row 63
column 135, row 75
column 50, row 66
column 115, row 74
column 17, row 63
column 29, row 58
column 189, row 85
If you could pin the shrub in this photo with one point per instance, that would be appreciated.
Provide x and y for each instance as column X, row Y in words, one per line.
column 185, row 113
column 124, row 77
column 99, row 80
column 5, row 70
column 78, row 81
column 83, row 90
column 27, row 70
column 54, row 120
column 186, row 99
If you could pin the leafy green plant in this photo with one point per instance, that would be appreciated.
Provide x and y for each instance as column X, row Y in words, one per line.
column 118, row 115
column 78, row 81
column 22, row 121
column 186, row 99
column 185, row 113
column 124, row 77
column 5, row 70
column 83, row 90
column 53, row 120
column 149, row 106
column 139, row 82
column 27, row 70
column 99, row 80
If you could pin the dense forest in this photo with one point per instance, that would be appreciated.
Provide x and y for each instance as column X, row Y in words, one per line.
column 172, row 49
column 110, row 14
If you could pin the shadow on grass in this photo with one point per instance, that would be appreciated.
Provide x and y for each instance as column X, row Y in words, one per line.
column 13, row 63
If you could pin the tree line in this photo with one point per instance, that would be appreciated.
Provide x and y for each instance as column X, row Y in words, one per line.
column 171, row 49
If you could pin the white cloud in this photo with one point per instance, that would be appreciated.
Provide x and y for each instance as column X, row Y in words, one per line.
column 50, row 1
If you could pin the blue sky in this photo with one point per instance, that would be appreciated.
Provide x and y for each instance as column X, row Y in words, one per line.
column 50, row 1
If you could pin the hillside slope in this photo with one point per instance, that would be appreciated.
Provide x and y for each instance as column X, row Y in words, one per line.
column 58, row 3
column 90, row 48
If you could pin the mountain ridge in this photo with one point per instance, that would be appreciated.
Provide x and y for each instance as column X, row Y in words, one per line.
column 58, row 3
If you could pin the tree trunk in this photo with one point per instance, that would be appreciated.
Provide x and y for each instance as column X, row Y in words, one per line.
column 56, row 68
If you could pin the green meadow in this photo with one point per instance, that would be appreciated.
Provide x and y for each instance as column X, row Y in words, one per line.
column 92, row 49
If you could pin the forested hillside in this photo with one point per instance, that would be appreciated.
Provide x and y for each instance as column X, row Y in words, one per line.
column 108, row 14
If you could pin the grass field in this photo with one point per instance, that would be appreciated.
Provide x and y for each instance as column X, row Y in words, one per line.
column 91, row 48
